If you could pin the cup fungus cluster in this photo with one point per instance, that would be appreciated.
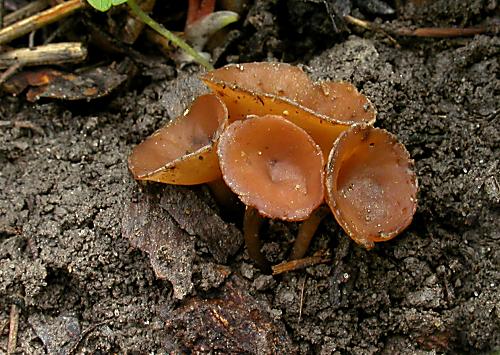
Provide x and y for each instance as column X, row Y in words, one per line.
column 284, row 145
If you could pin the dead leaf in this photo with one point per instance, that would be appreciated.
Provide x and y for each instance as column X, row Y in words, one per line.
column 154, row 231
column 232, row 322
column 196, row 217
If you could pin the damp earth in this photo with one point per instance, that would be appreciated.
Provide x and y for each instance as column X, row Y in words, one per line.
column 96, row 263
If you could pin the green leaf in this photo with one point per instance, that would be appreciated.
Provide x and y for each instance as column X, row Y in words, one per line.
column 101, row 5
column 105, row 5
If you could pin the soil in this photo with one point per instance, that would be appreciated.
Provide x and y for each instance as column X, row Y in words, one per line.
column 97, row 263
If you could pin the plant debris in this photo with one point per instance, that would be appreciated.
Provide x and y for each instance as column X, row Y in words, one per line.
column 230, row 322
column 155, row 232
column 54, row 84
column 197, row 218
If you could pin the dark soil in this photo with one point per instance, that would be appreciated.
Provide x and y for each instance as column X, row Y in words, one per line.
column 68, row 265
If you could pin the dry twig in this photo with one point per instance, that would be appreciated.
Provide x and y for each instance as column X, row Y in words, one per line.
column 299, row 264
column 56, row 53
column 434, row 32
column 25, row 11
column 13, row 329
column 39, row 20
column 9, row 72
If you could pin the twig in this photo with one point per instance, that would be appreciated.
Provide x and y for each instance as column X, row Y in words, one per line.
column 434, row 32
column 301, row 299
column 299, row 264
column 39, row 20
column 29, row 125
column 167, row 34
column 56, row 53
column 25, row 11
column 13, row 329
column 371, row 27
column 9, row 72
column 2, row 9
column 133, row 25
column 31, row 40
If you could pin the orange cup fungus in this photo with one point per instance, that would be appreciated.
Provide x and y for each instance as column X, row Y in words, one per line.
column 183, row 151
column 371, row 185
column 323, row 110
column 267, row 128
column 272, row 165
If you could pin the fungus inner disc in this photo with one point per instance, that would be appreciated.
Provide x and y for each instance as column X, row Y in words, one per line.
column 189, row 133
column 374, row 188
column 273, row 165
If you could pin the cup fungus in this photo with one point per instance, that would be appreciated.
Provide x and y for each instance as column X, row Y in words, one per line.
column 183, row 151
column 271, row 155
column 274, row 167
column 371, row 185
column 323, row 110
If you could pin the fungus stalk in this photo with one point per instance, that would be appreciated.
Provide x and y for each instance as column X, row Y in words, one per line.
column 307, row 230
column 251, row 227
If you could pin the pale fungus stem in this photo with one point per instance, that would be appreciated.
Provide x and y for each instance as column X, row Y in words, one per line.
column 307, row 230
column 251, row 227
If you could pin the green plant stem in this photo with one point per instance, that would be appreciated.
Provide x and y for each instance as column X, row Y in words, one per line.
column 168, row 35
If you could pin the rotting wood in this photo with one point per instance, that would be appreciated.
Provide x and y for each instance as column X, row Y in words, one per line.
column 39, row 20
column 55, row 53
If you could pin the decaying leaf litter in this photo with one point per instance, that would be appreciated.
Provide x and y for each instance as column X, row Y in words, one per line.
column 65, row 263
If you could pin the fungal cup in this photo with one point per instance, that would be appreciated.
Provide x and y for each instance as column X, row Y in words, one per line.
column 371, row 185
column 323, row 110
column 183, row 151
column 275, row 168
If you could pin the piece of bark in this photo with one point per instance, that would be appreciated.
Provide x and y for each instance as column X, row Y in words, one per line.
column 170, row 249
column 54, row 53
column 196, row 217
column 231, row 322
